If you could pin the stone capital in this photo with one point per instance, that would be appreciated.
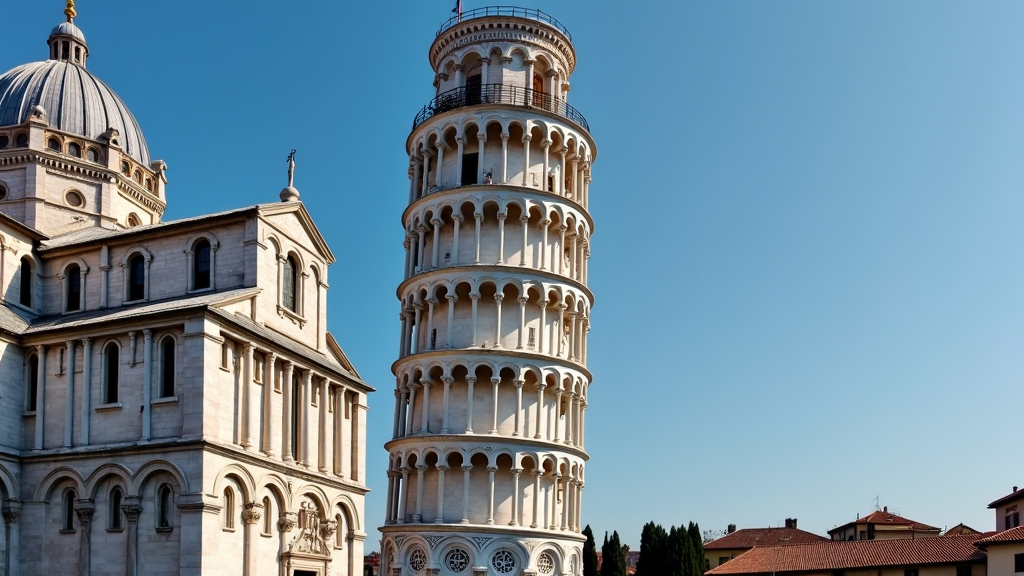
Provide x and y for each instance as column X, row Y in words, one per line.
column 287, row 521
column 252, row 512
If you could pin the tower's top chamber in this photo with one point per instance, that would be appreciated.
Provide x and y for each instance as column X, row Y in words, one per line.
column 502, row 55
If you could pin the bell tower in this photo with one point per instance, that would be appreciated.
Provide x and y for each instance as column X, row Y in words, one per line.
column 487, row 460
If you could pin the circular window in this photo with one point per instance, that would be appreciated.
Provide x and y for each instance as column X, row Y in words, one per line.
column 545, row 564
column 457, row 560
column 3, row 192
column 74, row 199
column 5, row 140
column 417, row 560
column 503, row 561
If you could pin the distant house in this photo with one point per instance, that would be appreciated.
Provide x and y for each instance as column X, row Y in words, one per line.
column 955, row 555
column 1005, row 548
column 736, row 542
column 883, row 525
column 960, row 529
column 1007, row 510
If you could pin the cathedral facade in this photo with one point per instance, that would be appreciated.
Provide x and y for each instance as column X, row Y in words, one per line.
column 487, row 459
column 171, row 400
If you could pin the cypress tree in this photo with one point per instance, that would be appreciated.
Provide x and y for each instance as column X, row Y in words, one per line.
column 589, row 553
column 653, row 541
column 674, row 551
column 697, row 541
column 613, row 556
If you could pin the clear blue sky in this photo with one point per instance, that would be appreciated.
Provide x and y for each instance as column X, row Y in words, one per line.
column 809, row 255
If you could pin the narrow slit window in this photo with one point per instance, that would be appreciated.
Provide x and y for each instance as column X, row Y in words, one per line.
column 32, row 377
column 201, row 265
column 25, row 297
column 74, row 296
column 111, row 369
column 114, row 517
column 137, row 277
column 167, row 367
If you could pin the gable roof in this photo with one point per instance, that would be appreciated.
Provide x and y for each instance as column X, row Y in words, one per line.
column 24, row 228
column 961, row 528
column 1011, row 536
column 885, row 518
column 838, row 555
column 1015, row 495
column 750, row 537
column 307, row 224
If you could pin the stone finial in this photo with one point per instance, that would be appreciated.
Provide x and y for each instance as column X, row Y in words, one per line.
column 290, row 194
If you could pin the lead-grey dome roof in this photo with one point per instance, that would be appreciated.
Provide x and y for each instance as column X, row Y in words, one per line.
column 75, row 101
column 68, row 29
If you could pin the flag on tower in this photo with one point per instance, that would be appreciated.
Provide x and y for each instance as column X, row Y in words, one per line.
column 458, row 9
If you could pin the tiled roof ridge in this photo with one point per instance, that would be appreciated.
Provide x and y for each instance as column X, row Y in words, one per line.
column 748, row 537
column 856, row 554
column 1005, row 537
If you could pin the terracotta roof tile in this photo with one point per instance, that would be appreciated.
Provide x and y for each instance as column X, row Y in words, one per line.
column 840, row 555
column 1012, row 535
column 961, row 529
column 1015, row 495
column 883, row 517
column 750, row 537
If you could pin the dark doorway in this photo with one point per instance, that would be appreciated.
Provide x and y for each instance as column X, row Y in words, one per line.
column 304, row 573
column 470, row 168
column 474, row 85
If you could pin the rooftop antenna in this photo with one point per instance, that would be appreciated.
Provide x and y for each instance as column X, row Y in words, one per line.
column 877, row 508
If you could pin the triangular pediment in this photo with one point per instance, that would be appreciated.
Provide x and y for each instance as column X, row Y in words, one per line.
column 276, row 215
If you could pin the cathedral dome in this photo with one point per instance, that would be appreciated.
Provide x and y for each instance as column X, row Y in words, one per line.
column 75, row 101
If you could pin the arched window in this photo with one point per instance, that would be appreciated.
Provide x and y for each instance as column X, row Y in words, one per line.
column 5, row 140
column 73, row 277
column 167, row 367
column 289, row 297
column 133, row 220
column 137, row 277
column 21, row 140
column 68, row 511
column 114, row 514
column 53, row 144
column 339, row 538
column 137, row 176
column 228, row 519
column 32, row 382
column 27, row 277
column 93, row 155
column 126, row 168
column 111, row 368
column 201, row 264
column 163, row 506
column 268, row 523
column 75, row 150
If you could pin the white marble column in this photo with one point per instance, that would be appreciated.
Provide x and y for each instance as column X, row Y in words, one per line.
column 470, row 385
column 269, row 376
column 447, row 391
column 86, row 389
column 490, row 482
column 494, row 412
column 515, row 496
column 540, row 409
column 69, row 395
column 247, row 394
column 307, row 391
column 286, row 413
column 439, row 517
column 519, row 407
column 465, row 493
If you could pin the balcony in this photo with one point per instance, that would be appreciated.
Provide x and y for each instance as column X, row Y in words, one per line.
column 528, row 13
column 499, row 94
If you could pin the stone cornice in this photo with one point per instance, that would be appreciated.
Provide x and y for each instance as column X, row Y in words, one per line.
column 521, row 357
column 489, row 189
column 477, row 440
column 503, row 29
column 84, row 169
column 464, row 529
column 477, row 271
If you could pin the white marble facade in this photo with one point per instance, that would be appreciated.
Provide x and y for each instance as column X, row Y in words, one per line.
column 487, row 461
column 170, row 399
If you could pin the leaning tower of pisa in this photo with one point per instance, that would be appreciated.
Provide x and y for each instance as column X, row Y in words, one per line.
column 487, row 462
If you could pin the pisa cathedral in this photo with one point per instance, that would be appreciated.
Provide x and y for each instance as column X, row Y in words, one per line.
column 171, row 400
column 487, row 460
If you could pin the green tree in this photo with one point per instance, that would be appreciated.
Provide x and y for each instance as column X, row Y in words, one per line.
column 675, row 552
column 613, row 556
column 697, row 542
column 653, row 542
column 589, row 553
